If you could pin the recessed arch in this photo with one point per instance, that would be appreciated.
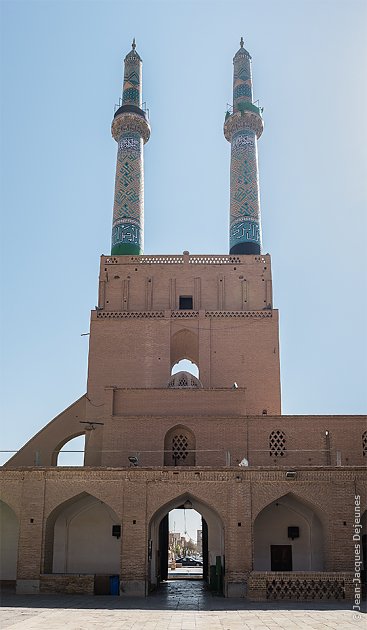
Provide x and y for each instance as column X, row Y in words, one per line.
column 215, row 533
column 9, row 527
column 276, row 547
column 184, row 345
column 79, row 537
column 179, row 446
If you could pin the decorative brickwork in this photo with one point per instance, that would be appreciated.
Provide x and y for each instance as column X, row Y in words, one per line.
column 179, row 447
column 277, row 443
column 184, row 314
column 183, row 380
column 295, row 588
column 256, row 314
column 129, row 314
column 180, row 260
column 299, row 586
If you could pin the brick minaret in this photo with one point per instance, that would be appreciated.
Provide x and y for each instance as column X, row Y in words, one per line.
column 131, row 130
column 241, row 129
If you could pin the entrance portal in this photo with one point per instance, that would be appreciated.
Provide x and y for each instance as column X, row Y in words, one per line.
column 186, row 542
column 181, row 544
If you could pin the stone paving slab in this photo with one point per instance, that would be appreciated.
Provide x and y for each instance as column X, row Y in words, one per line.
column 174, row 607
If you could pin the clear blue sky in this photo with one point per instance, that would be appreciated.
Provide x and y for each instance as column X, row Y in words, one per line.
column 61, row 66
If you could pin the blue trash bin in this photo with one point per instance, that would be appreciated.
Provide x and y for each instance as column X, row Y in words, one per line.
column 114, row 584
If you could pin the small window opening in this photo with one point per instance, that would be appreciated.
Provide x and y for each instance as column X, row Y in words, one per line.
column 364, row 444
column 186, row 302
column 186, row 365
column 277, row 443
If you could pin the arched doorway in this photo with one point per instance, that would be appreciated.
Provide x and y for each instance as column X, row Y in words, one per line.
column 9, row 527
column 212, row 542
column 288, row 536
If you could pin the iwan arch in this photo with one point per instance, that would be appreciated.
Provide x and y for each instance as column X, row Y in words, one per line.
column 277, row 493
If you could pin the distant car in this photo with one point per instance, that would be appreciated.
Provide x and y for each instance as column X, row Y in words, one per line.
column 189, row 562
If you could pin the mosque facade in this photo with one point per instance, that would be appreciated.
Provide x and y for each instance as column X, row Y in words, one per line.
column 280, row 496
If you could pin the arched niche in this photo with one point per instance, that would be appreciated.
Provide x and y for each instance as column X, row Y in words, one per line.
column 179, row 447
column 81, row 538
column 288, row 536
column 184, row 345
column 9, row 528
column 215, row 534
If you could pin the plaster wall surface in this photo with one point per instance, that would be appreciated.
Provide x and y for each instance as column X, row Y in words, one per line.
column 83, row 541
column 307, row 549
column 9, row 532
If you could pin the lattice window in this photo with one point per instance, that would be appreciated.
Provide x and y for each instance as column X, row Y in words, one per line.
column 180, row 445
column 364, row 444
column 305, row 589
column 182, row 382
column 277, row 443
column 183, row 379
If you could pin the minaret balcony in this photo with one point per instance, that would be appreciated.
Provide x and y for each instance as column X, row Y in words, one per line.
column 127, row 119
column 249, row 118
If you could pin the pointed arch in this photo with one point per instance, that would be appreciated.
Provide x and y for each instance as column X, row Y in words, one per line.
column 184, row 345
column 288, row 536
column 79, row 537
column 214, row 537
column 179, row 446
column 199, row 504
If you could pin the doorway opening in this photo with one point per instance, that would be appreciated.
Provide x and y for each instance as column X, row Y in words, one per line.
column 186, row 543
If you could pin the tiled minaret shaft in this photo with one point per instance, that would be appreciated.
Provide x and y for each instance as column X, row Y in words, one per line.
column 131, row 130
column 242, row 128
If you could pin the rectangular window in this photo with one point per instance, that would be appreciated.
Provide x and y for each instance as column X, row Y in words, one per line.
column 281, row 557
column 185, row 302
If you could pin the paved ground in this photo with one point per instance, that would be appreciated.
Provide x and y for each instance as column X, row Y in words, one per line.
column 179, row 605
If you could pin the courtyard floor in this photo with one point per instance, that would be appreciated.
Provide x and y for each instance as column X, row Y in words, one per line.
column 178, row 605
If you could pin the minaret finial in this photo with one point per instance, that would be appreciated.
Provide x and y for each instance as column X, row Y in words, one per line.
column 241, row 42
column 133, row 45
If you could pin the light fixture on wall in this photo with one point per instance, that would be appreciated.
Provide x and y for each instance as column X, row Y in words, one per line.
column 293, row 532
column 91, row 425
column 133, row 460
column 187, row 505
column 291, row 474
column 116, row 531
